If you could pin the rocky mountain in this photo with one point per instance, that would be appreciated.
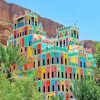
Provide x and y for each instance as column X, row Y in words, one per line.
column 90, row 44
column 8, row 10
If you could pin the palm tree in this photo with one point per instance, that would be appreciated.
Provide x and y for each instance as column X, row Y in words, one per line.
column 11, row 55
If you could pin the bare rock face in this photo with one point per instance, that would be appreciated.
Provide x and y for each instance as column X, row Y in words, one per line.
column 8, row 10
column 90, row 44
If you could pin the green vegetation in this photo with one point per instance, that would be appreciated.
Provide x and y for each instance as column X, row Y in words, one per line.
column 11, row 55
column 86, row 90
column 20, row 89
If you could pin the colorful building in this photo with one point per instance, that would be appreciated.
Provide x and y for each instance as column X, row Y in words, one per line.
column 58, row 60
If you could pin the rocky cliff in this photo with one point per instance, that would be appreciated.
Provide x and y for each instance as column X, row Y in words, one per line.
column 8, row 10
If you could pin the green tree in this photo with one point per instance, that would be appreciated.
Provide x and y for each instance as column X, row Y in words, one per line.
column 11, row 55
column 20, row 89
column 86, row 90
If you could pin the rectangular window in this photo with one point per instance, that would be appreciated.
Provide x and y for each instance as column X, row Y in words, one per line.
column 44, row 89
column 74, row 76
column 48, row 75
column 52, row 60
column 34, row 64
column 52, row 87
column 62, row 74
column 61, row 60
column 48, row 88
column 38, row 63
column 58, row 87
column 66, row 74
column 52, row 74
column 43, row 62
column 34, row 52
column 62, row 87
column 56, row 43
column 58, row 74
column 48, row 62
column 38, row 51
column 43, row 75
column 39, row 89
column 57, row 60
column 77, row 76
column 65, row 61
column 70, row 76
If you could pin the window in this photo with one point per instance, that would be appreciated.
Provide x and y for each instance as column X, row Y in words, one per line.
column 29, row 21
column 52, row 74
column 38, row 63
column 21, row 50
column 58, row 87
column 48, row 88
column 72, row 34
column 61, row 60
column 43, row 75
column 44, row 89
column 43, row 62
column 56, row 43
column 35, row 52
column 25, row 49
column 48, row 75
column 34, row 64
column 66, row 88
column 25, row 32
column 58, row 74
column 29, row 43
column 48, row 62
column 62, row 87
column 65, row 61
column 70, row 76
column 74, row 76
column 20, row 34
column 38, row 51
column 84, row 65
column 66, row 74
column 60, row 43
column 39, row 89
column 15, row 25
column 57, row 60
column 77, row 76
column 52, row 60
column 64, row 43
column 62, row 74
column 52, row 87
column 35, row 23
column 80, row 63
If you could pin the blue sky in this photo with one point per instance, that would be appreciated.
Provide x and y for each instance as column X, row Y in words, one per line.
column 86, row 14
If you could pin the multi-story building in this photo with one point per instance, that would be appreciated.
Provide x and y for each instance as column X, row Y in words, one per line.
column 58, row 60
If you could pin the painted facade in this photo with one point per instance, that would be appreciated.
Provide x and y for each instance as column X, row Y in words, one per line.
column 58, row 60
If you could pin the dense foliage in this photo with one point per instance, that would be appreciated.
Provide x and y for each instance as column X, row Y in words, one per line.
column 22, row 89
column 86, row 90
column 11, row 55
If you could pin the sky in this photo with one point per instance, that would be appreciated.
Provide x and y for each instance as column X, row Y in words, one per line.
column 85, row 13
